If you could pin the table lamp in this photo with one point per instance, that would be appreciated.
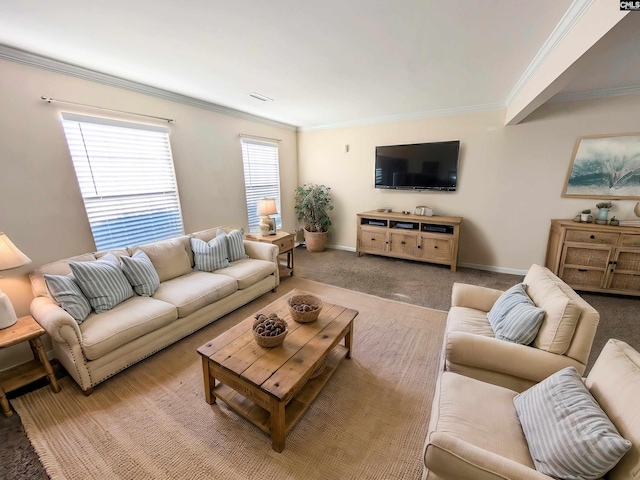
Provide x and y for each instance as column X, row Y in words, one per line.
column 10, row 257
column 266, row 207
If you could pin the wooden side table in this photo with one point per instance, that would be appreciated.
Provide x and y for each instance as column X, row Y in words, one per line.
column 25, row 329
column 283, row 240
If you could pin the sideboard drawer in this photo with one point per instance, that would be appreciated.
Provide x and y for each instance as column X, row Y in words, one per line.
column 584, row 236
column 630, row 240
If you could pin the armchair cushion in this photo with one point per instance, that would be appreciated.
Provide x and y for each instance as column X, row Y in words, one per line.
column 568, row 434
column 561, row 312
column 514, row 317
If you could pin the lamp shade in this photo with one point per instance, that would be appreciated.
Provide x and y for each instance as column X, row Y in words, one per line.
column 10, row 255
column 267, row 206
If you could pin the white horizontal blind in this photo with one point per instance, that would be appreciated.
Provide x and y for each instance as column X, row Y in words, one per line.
column 261, row 178
column 126, row 176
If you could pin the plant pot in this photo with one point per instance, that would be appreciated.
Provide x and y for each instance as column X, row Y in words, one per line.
column 315, row 241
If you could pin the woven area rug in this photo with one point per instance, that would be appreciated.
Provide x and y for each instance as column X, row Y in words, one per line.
column 152, row 422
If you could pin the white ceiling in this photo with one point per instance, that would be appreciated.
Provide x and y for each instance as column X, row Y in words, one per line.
column 334, row 62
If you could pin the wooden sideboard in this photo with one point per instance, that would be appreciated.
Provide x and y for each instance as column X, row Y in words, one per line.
column 413, row 237
column 595, row 258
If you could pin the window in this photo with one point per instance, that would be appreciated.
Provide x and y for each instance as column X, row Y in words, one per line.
column 126, row 177
column 261, row 178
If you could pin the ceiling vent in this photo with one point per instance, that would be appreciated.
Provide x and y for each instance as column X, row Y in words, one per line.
column 262, row 98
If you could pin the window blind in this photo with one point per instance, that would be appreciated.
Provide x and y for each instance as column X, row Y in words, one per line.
column 261, row 178
column 127, row 180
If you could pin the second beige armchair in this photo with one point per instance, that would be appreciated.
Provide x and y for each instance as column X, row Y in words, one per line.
column 564, row 339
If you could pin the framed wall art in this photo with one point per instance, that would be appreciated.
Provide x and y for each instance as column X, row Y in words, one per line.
column 605, row 167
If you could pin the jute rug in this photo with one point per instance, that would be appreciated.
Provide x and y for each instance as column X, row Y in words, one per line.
column 152, row 422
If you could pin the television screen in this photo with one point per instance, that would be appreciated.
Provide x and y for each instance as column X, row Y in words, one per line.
column 420, row 166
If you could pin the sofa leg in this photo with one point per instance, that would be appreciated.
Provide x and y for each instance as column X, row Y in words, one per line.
column 88, row 391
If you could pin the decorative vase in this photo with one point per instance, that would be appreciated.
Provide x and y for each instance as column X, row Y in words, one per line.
column 603, row 215
column 315, row 241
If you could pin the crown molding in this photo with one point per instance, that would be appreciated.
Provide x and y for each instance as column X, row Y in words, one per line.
column 594, row 94
column 445, row 112
column 33, row 60
column 566, row 24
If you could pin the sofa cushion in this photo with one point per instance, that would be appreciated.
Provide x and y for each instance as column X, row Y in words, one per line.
column 614, row 381
column 514, row 317
column 211, row 255
column 469, row 320
column 561, row 312
column 235, row 244
column 171, row 258
column 480, row 415
column 195, row 290
column 103, row 282
column 141, row 273
column 64, row 290
column 61, row 267
column 125, row 322
column 248, row 271
column 568, row 434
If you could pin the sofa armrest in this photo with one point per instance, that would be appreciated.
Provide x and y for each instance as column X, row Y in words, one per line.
column 495, row 355
column 452, row 458
column 474, row 296
column 60, row 326
column 261, row 251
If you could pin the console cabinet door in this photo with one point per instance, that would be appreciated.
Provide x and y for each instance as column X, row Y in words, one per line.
column 585, row 266
column 403, row 244
column 434, row 248
column 625, row 273
column 373, row 239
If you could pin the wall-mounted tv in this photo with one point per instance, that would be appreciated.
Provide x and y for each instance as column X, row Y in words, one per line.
column 419, row 166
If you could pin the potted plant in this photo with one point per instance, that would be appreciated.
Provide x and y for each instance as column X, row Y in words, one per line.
column 584, row 216
column 313, row 203
column 603, row 211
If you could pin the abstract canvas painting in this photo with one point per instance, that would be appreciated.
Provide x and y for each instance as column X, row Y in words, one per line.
column 605, row 167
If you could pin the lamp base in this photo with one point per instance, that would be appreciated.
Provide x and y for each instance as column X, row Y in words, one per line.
column 267, row 226
column 7, row 313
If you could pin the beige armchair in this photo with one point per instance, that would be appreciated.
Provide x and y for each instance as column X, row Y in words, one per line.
column 565, row 337
column 475, row 432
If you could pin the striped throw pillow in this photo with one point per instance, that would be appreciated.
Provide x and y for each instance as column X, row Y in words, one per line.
column 568, row 434
column 65, row 292
column 235, row 244
column 210, row 256
column 514, row 317
column 102, row 282
column 141, row 273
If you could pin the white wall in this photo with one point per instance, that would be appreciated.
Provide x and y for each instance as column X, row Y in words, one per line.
column 510, row 178
column 42, row 210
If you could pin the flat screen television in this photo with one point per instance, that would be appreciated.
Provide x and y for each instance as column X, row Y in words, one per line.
column 419, row 166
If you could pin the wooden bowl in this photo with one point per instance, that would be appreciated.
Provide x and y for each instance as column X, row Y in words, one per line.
column 301, row 314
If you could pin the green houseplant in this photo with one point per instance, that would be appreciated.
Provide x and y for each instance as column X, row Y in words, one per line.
column 312, row 204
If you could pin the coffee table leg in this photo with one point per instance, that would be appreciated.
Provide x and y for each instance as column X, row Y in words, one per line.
column 277, row 425
column 208, row 396
column 348, row 340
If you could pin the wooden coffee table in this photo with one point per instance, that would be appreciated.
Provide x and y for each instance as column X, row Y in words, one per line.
column 272, row 387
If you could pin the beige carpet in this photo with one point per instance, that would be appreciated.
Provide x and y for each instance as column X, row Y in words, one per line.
column 151, row 421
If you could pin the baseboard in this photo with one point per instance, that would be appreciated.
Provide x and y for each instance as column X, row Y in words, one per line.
column 491, row 268
column 476, row 266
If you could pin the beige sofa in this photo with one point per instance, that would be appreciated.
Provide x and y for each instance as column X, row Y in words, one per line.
column 475, row 432
column 187, row 300
column 564, row 339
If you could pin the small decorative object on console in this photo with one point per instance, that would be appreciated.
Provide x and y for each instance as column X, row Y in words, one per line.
column 305, row 308
column 269, row 330
column 422, row 210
